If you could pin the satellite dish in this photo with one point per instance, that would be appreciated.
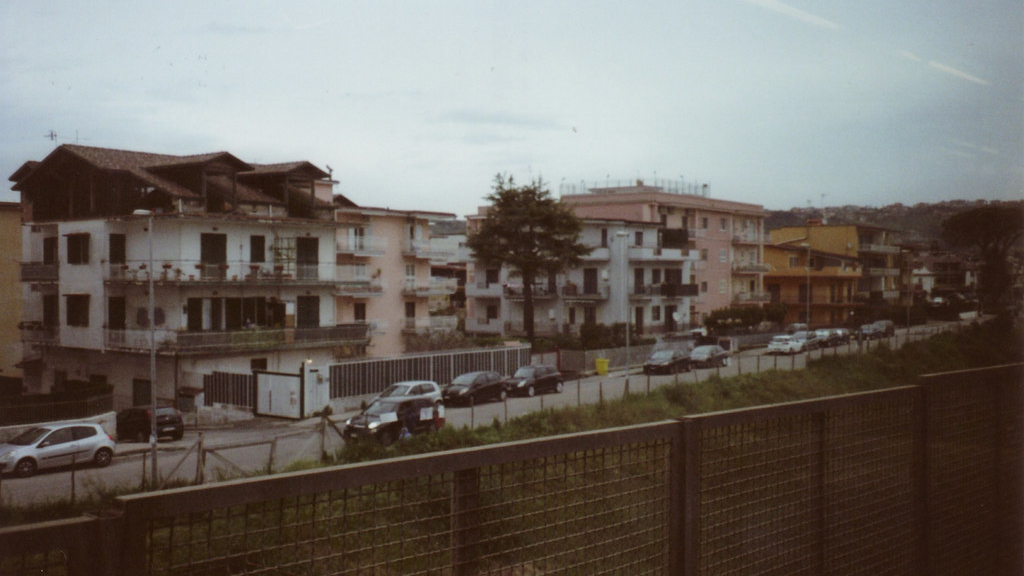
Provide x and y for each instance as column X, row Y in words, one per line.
column 677, row 316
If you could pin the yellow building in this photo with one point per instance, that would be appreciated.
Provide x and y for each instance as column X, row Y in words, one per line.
column 10, row 289
column 818, row 273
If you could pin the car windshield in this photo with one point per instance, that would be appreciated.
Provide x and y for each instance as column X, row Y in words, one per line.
column 378, row 408
column 465, row 379
column 166, row 411
column 29, row 436
column 396, row 390
column 702, row 351
column 780, row 339
column 662, row 355
column 525, row 372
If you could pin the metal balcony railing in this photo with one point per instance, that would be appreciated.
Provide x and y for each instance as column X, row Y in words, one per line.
column 194, row 271
column 39, row 272
column 236, row 340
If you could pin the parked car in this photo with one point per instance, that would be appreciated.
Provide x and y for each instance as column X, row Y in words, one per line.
column 825, row 336
column 385, row 419
column 413, row 389
column 810, row 339
column 708, row 356
column 784, row 344
column 886, row 327
column 667, row 361
column 842, row 335
column 473, row 387
column 134, row 423
column 56, row 445
column 795, row 327
column 528, row 380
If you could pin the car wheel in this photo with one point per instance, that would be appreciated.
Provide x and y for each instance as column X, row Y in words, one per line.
column 103, row 457
column 559, row 386
column 25, row 467
column 530, row 391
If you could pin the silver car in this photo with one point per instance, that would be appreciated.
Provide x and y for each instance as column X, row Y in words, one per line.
column 413, row 389
column 53, row 445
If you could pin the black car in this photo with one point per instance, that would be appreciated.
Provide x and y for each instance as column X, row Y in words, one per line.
column 385, row 419
column 667, row 361
column 709, row 356
column 134, row 423
column 472, row 387
column 529, row 380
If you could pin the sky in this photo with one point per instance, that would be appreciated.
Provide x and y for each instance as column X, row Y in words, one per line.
column 418, row 105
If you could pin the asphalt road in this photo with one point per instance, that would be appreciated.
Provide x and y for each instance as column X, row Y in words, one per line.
column 260, row 443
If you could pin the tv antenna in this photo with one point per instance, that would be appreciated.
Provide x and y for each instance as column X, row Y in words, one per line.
column 52, row 135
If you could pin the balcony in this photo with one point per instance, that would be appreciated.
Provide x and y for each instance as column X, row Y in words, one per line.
column 878, row 248
column 749, row 268
column 749, row 238
column 433, row 288
column 422, row 249
column 752, row 298
column 39, row 272
column 654, row 254
column 484, row 326
column 574, row 293
column 354, row 281
column 598, row 254
column 237, row 340
column 883, row 272
column 540, row 292
column 363, row 245
column 484, row 290
column 38, row 333
column 192, row 272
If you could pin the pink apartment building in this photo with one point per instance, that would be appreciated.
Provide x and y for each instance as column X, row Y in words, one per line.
column 728, row 236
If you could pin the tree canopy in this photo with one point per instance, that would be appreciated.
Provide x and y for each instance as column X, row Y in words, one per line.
column 994, row 231
column 531, row 233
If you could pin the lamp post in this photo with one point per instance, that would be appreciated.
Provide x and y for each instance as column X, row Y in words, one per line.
column 625, row 293
column 808, row 318
column 152, row 353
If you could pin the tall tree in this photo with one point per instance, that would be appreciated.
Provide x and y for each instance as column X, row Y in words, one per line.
column 531, row 233
column 994, row 231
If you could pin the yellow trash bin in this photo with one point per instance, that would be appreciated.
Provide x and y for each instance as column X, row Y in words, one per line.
column 602, row 366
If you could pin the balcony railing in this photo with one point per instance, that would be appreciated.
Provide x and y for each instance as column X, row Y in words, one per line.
column 540, row 292
column 363, row 245
column 354, row 281
column 889, row 272
column 749, row 238
column 590, row 293
column 752, row 297
column 484, row 290
column 750, row 268
column 878, row 248
column 422, row 249
column 39, row 272
column 38, row 333
column 236, row 340
column 196, row 272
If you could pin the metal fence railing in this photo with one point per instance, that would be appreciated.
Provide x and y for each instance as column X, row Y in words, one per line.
column 362, row 377
column 916, row 480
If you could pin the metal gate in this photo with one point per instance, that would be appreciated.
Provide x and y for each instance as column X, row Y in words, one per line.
column 279, row 394
column 228, row 388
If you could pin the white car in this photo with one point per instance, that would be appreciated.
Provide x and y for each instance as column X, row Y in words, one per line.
column 784, row 344
column 413, row 389
column 53, row 445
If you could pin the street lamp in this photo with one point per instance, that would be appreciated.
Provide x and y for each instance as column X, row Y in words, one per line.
column 808, row 318
column 625, row 293
column 152, row 353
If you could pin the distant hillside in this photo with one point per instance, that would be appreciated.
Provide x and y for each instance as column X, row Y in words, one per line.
column 920, row 223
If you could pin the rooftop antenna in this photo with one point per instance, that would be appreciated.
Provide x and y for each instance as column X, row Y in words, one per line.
column 52, row 135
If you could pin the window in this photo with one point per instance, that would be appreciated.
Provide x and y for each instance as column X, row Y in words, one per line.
column 656, row 313
column 723, row 286
column 257, row 249
column 51, row 310
column 117, row 313
column 78, row 248
column 656, row 276
column 604, row 237
column 307, row 312
column 78, row 310
column 572, row 315
column 794, row 261
column 50, row 250
column 492, row 276
column 723, row 255
column 589, row 315
column 724, row 224
column 359, row 311
column 492, row 312
column 703, row 287
column 410, row 309
column 704, row 222
column 703, row 254
column 638, row 238
column 257, row 364
column 116, row 249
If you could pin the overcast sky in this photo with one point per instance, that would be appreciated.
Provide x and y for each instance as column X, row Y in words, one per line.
column 417, row 105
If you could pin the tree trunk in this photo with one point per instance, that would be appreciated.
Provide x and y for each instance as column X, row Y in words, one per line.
column 528, row 307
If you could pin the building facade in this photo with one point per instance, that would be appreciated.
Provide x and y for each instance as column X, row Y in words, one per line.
column 213, row 263
column 384, row 260
column 727, row 236
column 10, row 294
column 632, row 272
column 818, row 288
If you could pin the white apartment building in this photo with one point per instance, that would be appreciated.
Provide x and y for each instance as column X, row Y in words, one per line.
column 634, row 271
column 240, row 258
